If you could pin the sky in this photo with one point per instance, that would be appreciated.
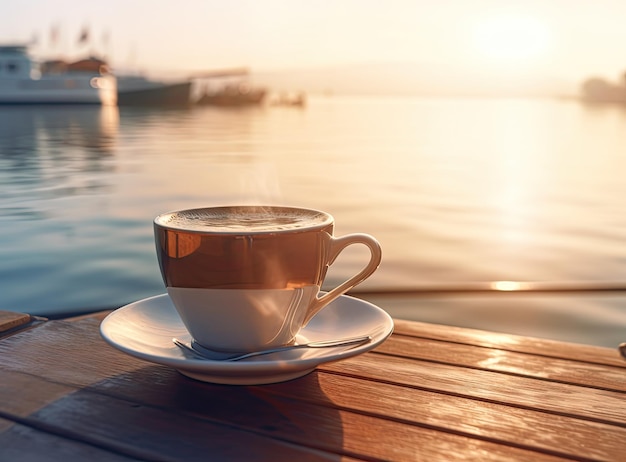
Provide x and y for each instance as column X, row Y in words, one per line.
column 550, row 40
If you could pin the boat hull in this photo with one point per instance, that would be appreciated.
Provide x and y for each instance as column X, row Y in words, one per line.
column 167, row 95
column 236, row 99
column 66, row 89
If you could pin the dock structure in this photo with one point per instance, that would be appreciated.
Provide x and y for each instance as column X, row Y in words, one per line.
column 430, row 392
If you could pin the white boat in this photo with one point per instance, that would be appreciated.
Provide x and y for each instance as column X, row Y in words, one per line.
column 26, row 81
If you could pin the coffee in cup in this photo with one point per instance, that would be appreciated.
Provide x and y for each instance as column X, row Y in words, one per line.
column 246, row 278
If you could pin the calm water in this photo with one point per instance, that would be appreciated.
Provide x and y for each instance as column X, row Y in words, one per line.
column 457, row 192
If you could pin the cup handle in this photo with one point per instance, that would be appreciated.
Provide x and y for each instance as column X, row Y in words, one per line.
column 337, row 244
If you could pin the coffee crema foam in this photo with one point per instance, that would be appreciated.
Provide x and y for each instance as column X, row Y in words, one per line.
column 244, row 219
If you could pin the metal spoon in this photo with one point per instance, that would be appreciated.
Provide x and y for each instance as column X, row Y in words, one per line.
column 205, row 353
column 622, row 349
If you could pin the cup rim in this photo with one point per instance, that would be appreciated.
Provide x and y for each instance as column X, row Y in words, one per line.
column 328, row 220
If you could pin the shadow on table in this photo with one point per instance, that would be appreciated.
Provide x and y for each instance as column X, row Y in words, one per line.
column 157, row 413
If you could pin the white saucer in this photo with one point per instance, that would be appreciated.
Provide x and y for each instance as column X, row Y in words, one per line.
column 145, row 328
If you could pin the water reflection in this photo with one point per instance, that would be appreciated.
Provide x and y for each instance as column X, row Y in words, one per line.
column 456, row 192
column 53, row 151
column 28, row 129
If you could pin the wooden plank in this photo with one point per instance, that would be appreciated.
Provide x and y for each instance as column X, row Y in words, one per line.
column 117, row 424
column 453, row 414
column 508, row 342
column 151, row 432
column 10, row 320
column 309, row 416
column 119, row 390
column 447, row 413
column 541, row 395
column 70, row 353
column 25, row 444
column 23, row 395
column 5, row 424
column 154, row 382
column 227, row 428
column 511, row 362
column 550, row 433
column 99, row 316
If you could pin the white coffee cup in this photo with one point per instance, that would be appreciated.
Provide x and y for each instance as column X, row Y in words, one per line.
column 246, row 278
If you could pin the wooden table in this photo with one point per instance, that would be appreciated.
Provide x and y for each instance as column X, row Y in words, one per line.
column 430, row 392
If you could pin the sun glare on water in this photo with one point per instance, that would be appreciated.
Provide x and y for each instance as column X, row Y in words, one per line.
column 511, row 38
